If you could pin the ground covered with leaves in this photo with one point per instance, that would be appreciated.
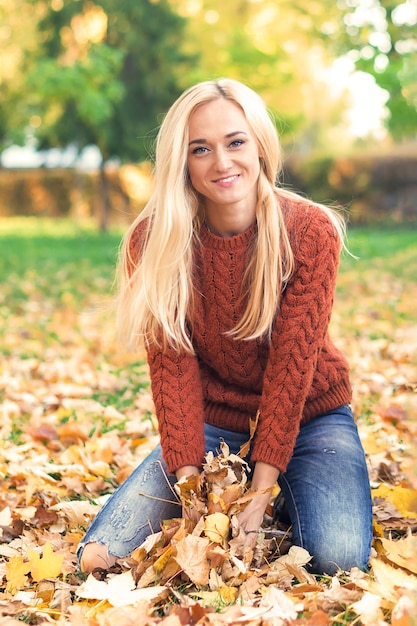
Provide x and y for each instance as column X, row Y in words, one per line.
column 77, row 417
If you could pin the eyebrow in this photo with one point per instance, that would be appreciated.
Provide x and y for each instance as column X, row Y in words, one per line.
column 233, row 134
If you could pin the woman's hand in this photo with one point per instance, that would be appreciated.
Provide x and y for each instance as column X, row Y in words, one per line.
column 250, row 519
column 188, row 512
column 187, row 470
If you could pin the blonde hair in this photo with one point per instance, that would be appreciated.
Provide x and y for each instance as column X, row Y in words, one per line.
column 155, row 286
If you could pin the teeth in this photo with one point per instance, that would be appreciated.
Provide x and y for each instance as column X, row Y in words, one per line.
column 227, row 180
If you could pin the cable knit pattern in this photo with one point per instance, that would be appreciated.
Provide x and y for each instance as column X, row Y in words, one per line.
column 297, row 376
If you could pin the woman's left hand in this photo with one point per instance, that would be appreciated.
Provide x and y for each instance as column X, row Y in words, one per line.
column 250, row 519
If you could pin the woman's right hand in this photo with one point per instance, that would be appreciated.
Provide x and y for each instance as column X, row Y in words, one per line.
column 188, row 512
column 187, row 470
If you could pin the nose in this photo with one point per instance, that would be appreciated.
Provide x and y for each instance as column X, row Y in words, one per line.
column 223, row 161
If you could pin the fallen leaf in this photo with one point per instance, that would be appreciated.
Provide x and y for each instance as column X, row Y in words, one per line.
column 47, row 566
column 403, row 552
column 216, row 527
column 191, row 556
column 405, row 611
column 16, row 570
column 369, row 610
column 388, row 582
column 120, row 590
column 5, row 517
column 404, row 499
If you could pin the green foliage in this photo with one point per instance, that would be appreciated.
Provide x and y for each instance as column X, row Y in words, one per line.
column 94, row 82
column 17, row 38
column 87, row 89
column 81, row 72
column 381, row 39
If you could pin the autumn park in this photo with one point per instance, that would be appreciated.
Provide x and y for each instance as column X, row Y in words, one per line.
column 84, row 86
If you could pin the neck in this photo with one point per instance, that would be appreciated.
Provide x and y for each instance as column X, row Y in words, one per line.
column 228, row 226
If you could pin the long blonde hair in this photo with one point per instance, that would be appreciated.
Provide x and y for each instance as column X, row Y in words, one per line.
column 155, row 286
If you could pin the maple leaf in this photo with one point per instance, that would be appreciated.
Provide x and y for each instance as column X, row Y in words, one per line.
column 369, row 610
column 47, row 566
column 403, row 552
column 389, row 582
column 16, row 570
column 119, row 590
column 404, row 612
column 222, row 595
column 404, row 499
column 192, row 556
column 79, row 511
column 276, row 607
column 288, row 565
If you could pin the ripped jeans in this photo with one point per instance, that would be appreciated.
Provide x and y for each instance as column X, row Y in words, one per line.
column 325, row 488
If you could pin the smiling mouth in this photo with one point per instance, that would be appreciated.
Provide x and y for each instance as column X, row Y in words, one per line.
column 229, row 179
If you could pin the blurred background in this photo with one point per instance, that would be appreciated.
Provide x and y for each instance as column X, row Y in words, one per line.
column 84, row 85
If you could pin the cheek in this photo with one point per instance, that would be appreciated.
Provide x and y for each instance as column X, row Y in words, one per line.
column 195, row 175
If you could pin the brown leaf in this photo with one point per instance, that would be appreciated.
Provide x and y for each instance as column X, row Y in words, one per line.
column 192, row 556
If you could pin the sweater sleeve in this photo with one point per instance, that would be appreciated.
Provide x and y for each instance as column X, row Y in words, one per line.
column 177, row 394
column 298, row 336
column 176, row 390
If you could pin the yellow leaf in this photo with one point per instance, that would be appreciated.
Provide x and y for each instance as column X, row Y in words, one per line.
column 165, row 566
column 404, row 500
column 16, row 571
column 402, row 552
column 228, row 594
column 215, row 504
column 216, row 527
column 231, row 494
column 47, row 566
column 378, row 530
column 389, row 582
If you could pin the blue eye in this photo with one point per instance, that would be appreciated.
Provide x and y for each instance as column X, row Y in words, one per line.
column 236, row 143
column 199, row 150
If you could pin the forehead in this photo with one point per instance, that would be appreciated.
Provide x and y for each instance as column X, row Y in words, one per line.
column 218, row 115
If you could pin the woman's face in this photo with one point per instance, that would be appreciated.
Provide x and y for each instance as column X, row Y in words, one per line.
column 223, row 157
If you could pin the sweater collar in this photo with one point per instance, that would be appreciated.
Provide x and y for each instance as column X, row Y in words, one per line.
column 210, row 240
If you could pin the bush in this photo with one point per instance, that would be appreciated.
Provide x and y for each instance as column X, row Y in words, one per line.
column 373, row 189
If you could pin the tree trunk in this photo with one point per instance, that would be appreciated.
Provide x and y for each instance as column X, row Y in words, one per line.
column 105, row 203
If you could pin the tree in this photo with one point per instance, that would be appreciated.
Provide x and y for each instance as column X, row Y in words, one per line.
column 381, row 38
column 17, row 38
column 279, row 48
column 104, row 75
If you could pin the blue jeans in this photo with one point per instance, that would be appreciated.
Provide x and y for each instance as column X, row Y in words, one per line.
column 325, row 487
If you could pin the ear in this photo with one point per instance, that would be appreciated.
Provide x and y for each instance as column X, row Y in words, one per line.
column 260, row 153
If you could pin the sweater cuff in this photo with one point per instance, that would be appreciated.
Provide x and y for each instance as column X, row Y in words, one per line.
column 276, row 458
column 174, row 460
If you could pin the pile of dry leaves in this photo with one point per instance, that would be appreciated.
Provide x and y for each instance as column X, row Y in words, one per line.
column 77, row 417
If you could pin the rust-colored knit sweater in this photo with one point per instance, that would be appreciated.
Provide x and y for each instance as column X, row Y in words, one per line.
column 294, row 378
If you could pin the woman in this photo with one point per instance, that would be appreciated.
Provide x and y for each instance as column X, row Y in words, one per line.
column 228, row 280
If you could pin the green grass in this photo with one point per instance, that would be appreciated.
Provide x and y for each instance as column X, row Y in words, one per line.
column 65, row 260
column 391, row 251
column 30, row 243
column 42, row 244
column 57, row 259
